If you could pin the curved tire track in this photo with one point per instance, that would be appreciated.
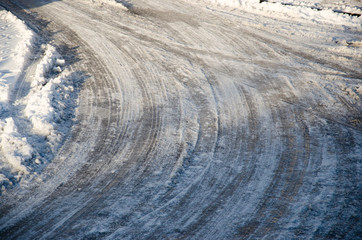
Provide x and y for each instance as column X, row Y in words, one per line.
column 190, row 127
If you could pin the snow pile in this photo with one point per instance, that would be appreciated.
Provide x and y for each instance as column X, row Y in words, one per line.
column 38, row 103
column 347, row 6
column 315, row 10
column 35, row 107
column 15, row 40
column 14, row 148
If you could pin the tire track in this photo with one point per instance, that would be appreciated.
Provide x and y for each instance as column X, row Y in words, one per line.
column 191, row 127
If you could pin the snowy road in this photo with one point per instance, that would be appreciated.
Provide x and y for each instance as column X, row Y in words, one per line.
column 198, row 123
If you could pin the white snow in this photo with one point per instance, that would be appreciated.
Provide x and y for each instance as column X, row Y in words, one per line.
column 30, row 125
column 15, row 39
column 38, row 105
column 15, row 148
column 313, row 10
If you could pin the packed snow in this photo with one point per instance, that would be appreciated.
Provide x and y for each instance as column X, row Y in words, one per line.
column 33, row 115
column 208, row 119
column 30, row 125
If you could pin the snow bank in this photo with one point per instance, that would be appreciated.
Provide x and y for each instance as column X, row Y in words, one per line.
column 15, row 148
column 15, row 40
column 38, row 103
column 314, row 10
column 32, row 125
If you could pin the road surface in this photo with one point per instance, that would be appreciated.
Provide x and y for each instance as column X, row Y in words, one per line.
column 196, row 123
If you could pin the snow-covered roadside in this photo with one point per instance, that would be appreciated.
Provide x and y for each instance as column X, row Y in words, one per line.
column 344, row 6
column 313, row 10
column 15, row 41
column 33, row 104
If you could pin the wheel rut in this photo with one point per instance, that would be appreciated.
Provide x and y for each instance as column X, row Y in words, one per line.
column 190, row 127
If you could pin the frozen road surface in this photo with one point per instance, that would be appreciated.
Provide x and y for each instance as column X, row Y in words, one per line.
column 193, row 121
